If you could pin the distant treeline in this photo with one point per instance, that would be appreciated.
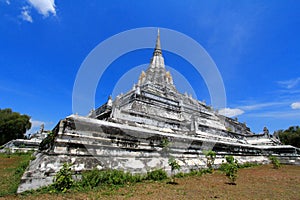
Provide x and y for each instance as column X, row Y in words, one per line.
column 290, row 136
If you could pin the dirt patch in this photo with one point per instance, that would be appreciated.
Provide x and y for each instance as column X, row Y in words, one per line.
column 261, row 182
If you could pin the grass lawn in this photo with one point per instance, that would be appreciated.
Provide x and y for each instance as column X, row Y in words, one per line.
column 261, row 182
column 11, row 169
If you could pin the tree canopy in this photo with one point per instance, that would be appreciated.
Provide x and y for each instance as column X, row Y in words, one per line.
column 13, row 125
column 290, row 136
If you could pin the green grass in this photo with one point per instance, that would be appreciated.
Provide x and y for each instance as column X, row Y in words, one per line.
column 12, row 167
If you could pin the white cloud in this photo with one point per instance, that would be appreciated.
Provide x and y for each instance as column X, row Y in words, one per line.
column 231, row 112
column 35, row 126
column 276, row 115
column 44, row 7
column 262, row 105
column 7, row 2
column 289, row 84
column 295, row 105
column 25, row 15
column 36, row 123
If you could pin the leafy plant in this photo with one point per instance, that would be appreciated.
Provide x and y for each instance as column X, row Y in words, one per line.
column 174, row 166
column 247, row 165
column 47, row 142
column 157, row 175
column 274, row 160
column 210, row 159
column 63, row 179
column 180, row 175
column 165, row 143
column 95, row 178
column 230, row 168
column 229, row 129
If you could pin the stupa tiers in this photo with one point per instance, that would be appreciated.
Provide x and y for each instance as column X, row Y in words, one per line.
column 140, row 130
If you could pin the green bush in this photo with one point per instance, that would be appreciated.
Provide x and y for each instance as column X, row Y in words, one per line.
column 174, row 166
column 63, row 179
column 230, row 168
column 91, row 178
column 274, row 160
column 180, row 175
column 247, row 165
column 113, row 177
column 95, row 178
column 157, row 175
column 165, row 143
column 194, row 173
column 199, row 172
column 210, row 159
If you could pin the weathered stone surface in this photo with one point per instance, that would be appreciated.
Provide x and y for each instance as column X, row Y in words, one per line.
column 91, row 143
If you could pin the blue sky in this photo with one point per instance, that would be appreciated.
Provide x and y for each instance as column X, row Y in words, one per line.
column 255, row 45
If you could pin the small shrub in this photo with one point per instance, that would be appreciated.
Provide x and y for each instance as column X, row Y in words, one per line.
column 165, row 143
column 210, row 159
column 137, row 178
column 206, row 171
column 114, row 177
column 63, row 179
column 247, row 165
column 180, row 175
column 174, row 166
column 229, row 129
column 32, row 157
column 157, row 175
column 230, row 168
column 194, row 173
column 91, row 179
column 96, row 178
column 274, row 160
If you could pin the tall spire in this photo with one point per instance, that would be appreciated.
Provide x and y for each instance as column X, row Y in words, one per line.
column 157, row 51
column 156, row 73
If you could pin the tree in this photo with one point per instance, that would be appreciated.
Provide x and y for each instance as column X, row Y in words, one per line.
column 290, row 136
column 63, row 179
column 13, row 125
column 174, row 166
column 230, row 168
column 210, row 159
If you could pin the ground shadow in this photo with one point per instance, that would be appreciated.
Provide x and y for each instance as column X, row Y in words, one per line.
column 172, row 183
column 230, row 183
